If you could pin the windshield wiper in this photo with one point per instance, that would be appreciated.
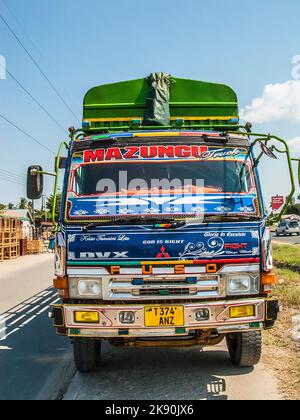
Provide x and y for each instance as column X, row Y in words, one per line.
column 219, row 217
column 157, row 223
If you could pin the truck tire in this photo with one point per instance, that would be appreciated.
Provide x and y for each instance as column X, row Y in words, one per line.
column 245, row 348
column 87, row 354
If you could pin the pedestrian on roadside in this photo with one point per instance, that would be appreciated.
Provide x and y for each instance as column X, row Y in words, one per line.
column 51, row 246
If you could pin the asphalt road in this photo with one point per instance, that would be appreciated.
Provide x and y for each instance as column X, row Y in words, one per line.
column 172, row 374
column 292, row 240
column 34, row 362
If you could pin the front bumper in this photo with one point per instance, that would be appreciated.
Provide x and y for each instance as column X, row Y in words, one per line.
column 109, row 325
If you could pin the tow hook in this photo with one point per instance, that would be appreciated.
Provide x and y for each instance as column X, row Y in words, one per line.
column 51, row 315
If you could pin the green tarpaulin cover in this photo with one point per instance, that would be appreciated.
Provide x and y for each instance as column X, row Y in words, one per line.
column 157, row 110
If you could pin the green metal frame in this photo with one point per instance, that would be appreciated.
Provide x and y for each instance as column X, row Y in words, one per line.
column 105, row 131
column 54, row 221
column 266, row 138
column 209, row 127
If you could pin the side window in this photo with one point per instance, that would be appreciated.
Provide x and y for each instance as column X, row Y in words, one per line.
column 78, row 181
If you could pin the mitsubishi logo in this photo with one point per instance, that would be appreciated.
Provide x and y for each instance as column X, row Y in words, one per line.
column 163, row 253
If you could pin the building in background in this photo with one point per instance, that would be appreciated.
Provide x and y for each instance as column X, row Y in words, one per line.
column 24, row 216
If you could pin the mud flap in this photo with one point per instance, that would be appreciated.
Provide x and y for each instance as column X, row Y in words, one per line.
column 272, row 310
column 58, row 319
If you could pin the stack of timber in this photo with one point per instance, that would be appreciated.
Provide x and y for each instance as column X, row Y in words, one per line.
column 10, row 235
column 35, row 247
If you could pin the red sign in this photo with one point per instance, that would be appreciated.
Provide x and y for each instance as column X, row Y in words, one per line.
column 144, row 152
column 277, row 202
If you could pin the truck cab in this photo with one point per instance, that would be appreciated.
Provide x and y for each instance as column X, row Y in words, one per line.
column 163, row 236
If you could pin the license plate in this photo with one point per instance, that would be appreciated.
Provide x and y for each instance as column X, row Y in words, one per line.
column 164, row 316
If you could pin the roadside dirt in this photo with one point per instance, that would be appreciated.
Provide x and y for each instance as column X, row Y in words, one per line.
column 281, row 356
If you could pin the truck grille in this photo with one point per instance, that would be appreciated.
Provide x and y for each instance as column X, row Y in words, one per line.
column 165, row 292
column 151, row 288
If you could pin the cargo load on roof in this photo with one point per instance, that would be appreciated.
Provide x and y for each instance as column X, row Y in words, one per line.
column 163, row 101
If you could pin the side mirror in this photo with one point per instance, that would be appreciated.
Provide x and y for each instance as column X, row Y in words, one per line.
column 35, row 182
column 267, row 151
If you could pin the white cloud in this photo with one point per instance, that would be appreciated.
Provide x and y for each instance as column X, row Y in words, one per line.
column 295, row 144
column 280, row 101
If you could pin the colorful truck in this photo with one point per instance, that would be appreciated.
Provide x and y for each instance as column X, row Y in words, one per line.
column 163, row 237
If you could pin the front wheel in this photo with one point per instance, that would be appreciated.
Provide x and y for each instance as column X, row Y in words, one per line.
column 245, row 348
column 87, row 353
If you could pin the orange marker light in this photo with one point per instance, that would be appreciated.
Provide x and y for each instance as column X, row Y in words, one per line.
column 211, row 268
column 61, row 283
column 268, row 279
column 62, row 286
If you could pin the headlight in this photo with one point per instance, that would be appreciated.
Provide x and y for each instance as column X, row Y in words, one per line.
column 243, row 284
column 85, row 288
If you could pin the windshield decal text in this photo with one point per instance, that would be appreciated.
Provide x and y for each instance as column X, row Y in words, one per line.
column 158, row 152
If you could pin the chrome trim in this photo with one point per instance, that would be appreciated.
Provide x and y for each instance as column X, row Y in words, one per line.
column 110, row 326
column 233, row 269
column 162, row 288
column 238, row 328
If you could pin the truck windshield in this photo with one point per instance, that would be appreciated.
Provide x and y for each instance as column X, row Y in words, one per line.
column 162, row 178
column 182, row 187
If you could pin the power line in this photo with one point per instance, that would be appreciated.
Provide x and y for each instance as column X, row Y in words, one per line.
column 17, row 20
column 9, row 172
column 11, row 181
column 33, row 44
column 33, row 98
column 11, row 175
column 38, row 67
column 26, row 134
column 14, row 178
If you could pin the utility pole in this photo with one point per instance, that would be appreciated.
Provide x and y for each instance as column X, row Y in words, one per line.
column 44, row 207
column 33, row 217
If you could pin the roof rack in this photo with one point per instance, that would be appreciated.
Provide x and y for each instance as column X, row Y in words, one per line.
column 184, row 104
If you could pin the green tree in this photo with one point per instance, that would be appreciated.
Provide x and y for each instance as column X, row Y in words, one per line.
column 293, row 200
column 49, row 204
column 293, row 209
column 40, row 216
column 2, row 207
column 10, row 206
column 24, row 204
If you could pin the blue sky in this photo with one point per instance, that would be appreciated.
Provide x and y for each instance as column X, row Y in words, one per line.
column 82, row 43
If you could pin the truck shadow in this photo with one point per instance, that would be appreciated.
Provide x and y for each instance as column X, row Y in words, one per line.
column 161, row 374
column 30, row 352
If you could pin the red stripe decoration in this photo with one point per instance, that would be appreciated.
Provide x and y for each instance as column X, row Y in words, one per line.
column 230, row 261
